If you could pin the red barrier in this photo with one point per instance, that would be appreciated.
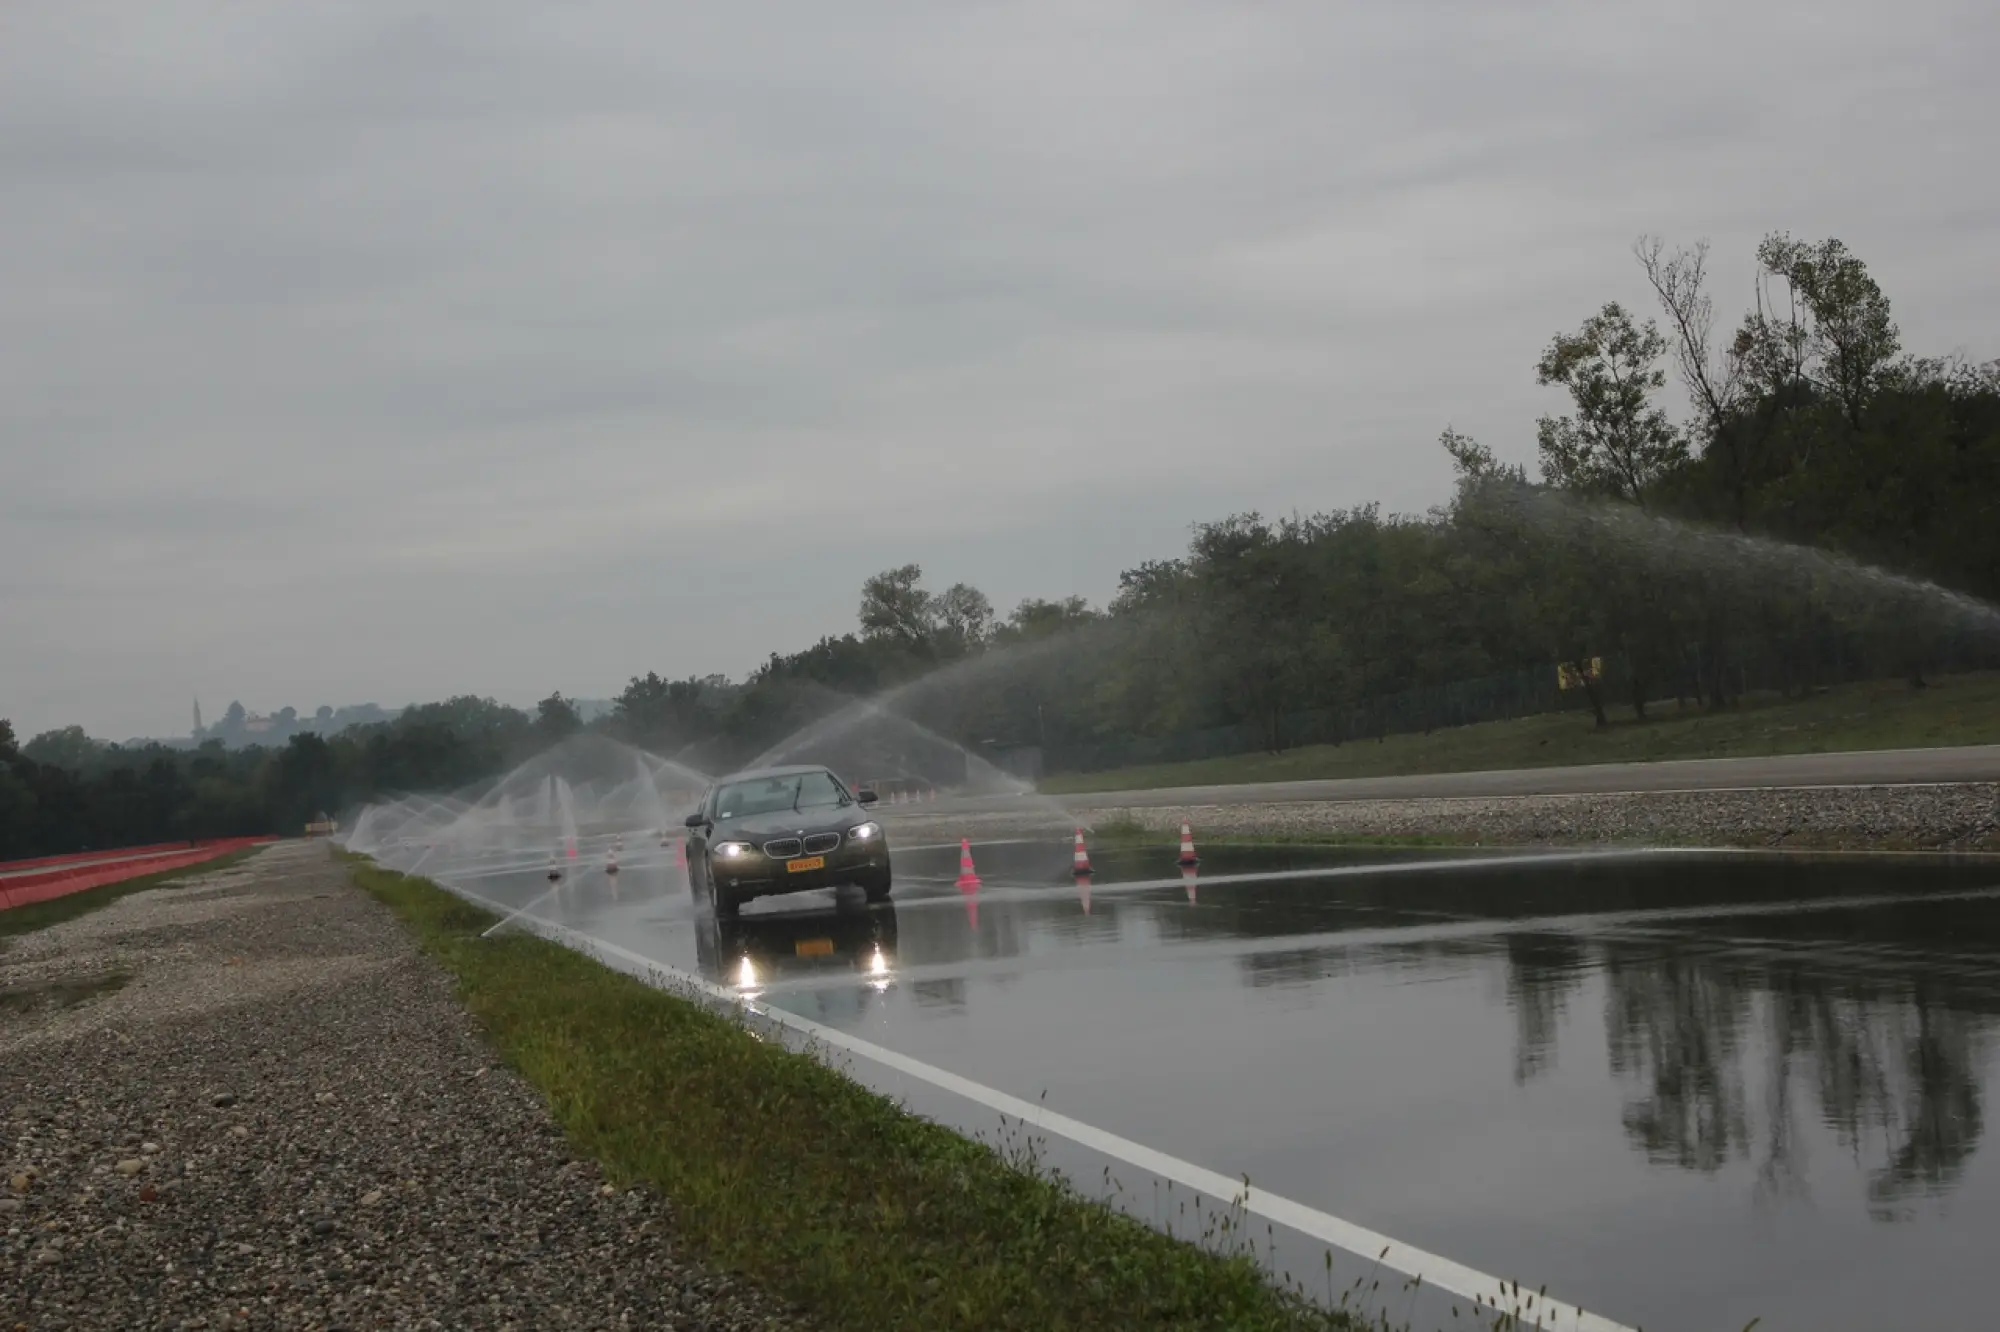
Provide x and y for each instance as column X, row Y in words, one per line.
column 120, row 852
column 39, row 862
column 21, row 889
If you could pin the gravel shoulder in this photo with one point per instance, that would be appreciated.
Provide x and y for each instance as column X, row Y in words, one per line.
column 247, row 1101
column 1962, row 816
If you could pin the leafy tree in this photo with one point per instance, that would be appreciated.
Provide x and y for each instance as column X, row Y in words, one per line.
column 963, row 618
column 1850, row 340
column 556, row 719
column 895, row 607
column 1619, row 443
column 69, row 748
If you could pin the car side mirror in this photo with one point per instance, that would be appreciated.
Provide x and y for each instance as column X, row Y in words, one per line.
column 695, row 820
column 866, row 796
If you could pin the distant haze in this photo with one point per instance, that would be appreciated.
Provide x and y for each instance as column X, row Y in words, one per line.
column 376, row 352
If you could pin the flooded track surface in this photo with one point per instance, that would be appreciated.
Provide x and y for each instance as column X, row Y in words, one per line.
column 1682, row 1089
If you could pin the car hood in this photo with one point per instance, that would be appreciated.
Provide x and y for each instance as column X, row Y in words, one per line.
column 787, row 823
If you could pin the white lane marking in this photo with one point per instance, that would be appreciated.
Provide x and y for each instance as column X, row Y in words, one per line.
column 1487, row 1292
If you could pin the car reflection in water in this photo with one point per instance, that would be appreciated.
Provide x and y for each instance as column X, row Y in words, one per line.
column 841, row 956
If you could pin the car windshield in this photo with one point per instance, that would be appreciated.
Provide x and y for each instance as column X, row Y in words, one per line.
column 769, row 795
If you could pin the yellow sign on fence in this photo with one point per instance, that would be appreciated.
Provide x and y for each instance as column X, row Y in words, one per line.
column 1567, row 676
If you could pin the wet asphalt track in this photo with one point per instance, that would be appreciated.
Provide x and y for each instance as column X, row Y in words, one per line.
column 1683, row 1090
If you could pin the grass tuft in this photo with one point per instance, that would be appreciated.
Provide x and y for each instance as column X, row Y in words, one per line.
column 816, row 1188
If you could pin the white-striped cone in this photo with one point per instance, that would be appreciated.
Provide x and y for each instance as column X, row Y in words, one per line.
column 1080, row 862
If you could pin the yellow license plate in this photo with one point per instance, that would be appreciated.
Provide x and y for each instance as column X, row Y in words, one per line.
column 809, row 863
column 814, row 947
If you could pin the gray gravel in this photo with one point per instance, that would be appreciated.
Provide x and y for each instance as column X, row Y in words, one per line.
column 285, row 1120
column 1959, row 816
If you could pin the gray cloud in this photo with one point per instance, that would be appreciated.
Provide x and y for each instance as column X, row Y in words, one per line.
column 376, row 351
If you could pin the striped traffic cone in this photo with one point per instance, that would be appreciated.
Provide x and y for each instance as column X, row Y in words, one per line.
column 1188, row 857
column 968, row 878
column 1080, row 862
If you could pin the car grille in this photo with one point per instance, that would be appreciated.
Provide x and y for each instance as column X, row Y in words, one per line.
column 783, row 848
column 820, row 842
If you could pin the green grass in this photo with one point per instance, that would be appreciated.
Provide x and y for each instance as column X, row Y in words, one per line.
column 817, row 1189
column 1955, row 710
column 40, row 915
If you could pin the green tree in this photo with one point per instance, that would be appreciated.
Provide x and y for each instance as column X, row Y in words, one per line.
column 556, row 719
column 963, row 618
column 1619, row 442
column 70, row 748
column 1849, row 339
column 895, row 607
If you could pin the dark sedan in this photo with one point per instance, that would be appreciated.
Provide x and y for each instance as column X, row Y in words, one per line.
column 784, row 830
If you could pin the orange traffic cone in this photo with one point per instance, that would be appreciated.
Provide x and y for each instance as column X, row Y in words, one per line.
column 968, row 878
column 1188, row 857
column 1080, row 862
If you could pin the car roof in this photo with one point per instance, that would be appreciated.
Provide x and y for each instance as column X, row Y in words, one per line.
column 754, row 774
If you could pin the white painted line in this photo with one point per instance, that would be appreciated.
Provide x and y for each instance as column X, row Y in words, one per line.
column 1486, row 1292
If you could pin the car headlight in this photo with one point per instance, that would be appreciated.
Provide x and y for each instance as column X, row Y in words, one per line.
column 746, row 974
column 732, row 850
column 864, row 832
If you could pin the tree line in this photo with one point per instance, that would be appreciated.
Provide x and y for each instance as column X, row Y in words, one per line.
column 1821, row 506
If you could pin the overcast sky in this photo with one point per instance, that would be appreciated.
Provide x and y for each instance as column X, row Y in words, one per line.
column 382, row 351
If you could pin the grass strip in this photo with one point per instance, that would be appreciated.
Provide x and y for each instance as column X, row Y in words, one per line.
column 816, row 1188
column 1953, row 710
column 34, row 916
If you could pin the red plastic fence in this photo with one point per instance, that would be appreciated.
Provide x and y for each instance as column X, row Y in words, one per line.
column 43, row 885
column 157, row 848
column 118, row 852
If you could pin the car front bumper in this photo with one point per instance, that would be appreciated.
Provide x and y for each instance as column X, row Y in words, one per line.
column 755, row 874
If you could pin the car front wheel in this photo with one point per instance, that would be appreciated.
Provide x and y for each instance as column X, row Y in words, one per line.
column 877, row 885
column 723, row 899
